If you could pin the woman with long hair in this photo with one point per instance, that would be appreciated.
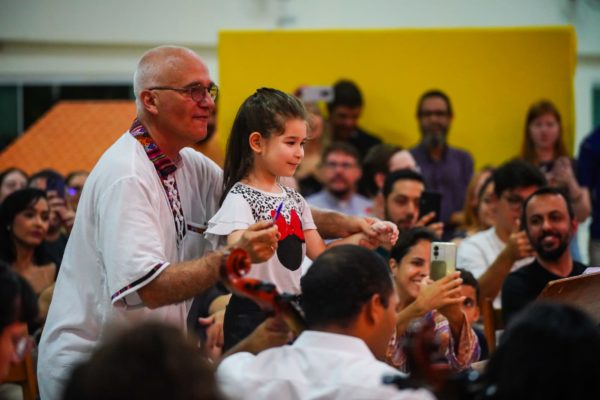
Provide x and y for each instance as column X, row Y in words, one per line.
column 24, row 219
column 543, row 145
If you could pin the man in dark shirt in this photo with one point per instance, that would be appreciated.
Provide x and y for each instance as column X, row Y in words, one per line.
column 344, row 112
column 549, row 222
column 445, row 169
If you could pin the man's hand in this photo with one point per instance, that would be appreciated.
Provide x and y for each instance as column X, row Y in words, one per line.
column 259, row 241
column 273, row 332
column 436, row 227
column 213, row 345
column 518, row 246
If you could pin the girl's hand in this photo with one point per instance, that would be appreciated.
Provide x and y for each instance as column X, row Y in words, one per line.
column 439, row 294
column 387, row 232
column 259, row 240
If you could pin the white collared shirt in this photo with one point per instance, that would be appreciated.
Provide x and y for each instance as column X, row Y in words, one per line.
column 318, row 365
column 123, row 237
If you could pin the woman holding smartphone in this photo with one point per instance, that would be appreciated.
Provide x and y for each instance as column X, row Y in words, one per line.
column 543, row 146
column 437, row 302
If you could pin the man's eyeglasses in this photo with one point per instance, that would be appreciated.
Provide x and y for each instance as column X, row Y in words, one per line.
column 196, row 92
column 433, row 113
column 514, row 201
column 342, row 165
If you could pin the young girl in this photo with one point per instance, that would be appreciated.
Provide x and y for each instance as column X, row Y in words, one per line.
column 266, row 142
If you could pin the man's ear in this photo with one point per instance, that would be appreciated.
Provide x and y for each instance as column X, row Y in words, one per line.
column 149, row 101
column 372, row 309
column 255, row 141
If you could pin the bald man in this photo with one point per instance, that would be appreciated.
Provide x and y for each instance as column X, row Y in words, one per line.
column 136, row 251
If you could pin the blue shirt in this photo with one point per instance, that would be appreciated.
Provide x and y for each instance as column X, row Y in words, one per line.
column 449, row 176
column 357, row 204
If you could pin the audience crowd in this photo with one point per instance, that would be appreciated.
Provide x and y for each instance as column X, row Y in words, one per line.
column 102, row 271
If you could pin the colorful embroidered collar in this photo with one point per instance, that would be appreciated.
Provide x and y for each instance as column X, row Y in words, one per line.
column 163, row 164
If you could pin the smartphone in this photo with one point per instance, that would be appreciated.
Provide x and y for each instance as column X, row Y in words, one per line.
column 430, row 201
column 443, row 259
column 56, row 185
column 312, row 94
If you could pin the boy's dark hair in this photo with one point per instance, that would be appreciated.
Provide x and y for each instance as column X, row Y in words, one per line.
column 469, row 280
column 408, row 239
column 516, row 174
column 547, row 190
column 266, row 112
column 340, row 282
column 18, row 302
column 434, row 93
column 398, row 175
column 345, row 93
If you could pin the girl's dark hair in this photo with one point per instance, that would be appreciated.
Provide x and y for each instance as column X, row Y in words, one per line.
column 12, row 205
column 18, row 302
column 265, row 112
column 408, row 239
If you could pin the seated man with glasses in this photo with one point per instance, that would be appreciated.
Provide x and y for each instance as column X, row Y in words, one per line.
column 490, row 255
column 341, row 171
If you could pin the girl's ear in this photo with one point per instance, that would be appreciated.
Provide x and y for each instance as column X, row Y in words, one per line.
column 255, row 142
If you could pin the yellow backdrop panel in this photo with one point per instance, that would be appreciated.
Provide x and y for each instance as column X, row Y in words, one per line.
column 491, row 76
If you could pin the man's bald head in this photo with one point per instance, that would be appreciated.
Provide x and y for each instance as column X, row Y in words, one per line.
column 159, row 66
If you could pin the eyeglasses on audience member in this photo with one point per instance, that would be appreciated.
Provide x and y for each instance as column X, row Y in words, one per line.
column 196, row 92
